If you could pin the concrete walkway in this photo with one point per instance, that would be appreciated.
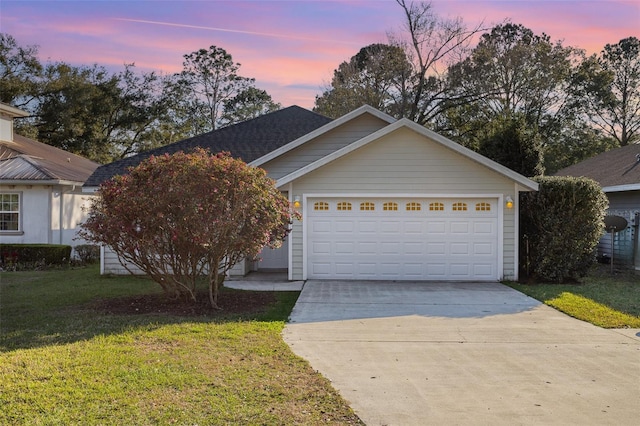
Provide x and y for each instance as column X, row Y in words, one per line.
column 464, row 354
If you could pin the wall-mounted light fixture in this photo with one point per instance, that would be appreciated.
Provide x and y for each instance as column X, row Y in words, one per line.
column 296, row 202
column 509, row 202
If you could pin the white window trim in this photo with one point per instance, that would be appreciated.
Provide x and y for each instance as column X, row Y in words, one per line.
column 20, row 230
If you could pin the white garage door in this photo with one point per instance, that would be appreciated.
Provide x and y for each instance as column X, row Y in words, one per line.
column 402, row 239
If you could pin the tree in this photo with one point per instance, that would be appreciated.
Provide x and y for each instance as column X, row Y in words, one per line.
column 403, row 78
column 514, row 71
column 512, row 143
column 20, row 72
column 609, row 90
column 183, row 216
column 248, row 104
column 433, row 44
column 209, row 79
column 377, row 75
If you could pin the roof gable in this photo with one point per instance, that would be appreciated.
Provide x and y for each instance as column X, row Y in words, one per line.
column 524, row 182
column 618, row 167
column 365, row 109
column 248, row 140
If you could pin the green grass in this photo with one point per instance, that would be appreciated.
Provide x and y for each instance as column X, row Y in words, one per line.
column 63, row 363
column 603, row 299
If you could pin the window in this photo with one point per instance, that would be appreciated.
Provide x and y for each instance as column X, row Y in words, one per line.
column 390, row 206
column 459, row 207
column 321, row 206
column 483, row 207
column 413, row 207
column 436, row 207
column 367, row 206
column 9, row 212
column 344, row 206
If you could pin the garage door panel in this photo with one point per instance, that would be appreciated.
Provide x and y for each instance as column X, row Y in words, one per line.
column 483, row 249
column 347, row 226
column 393, row 227
column 410, row 248
column 321, row 248
column 436, row 248
column 401, row 244
column 436, row 227
column 344, row 247
column 321, row 226
column 459, row 248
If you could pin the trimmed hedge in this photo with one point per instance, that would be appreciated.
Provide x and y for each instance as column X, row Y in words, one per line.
column 49, row 254
column 562, row 223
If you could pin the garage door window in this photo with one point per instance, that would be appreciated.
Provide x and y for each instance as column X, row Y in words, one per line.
column 414, row 207
column 436, row 207
column 321, row 206
column 483, row 207
column 390, row 206
column 459, row 207
column 344, row 206
column 367, row 206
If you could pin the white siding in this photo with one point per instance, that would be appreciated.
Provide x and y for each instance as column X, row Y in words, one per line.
column 49, row 214
column 323, row 145
column 404, row 162
column 35, row 212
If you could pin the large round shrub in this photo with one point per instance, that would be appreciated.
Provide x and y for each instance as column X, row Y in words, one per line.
column 560, row 226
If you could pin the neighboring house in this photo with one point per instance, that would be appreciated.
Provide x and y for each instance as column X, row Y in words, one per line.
column 380, row 198
column 40, row 188
column 618, row 173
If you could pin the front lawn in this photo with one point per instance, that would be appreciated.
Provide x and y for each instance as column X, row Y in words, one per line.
column 603, row 299
column 65, row 359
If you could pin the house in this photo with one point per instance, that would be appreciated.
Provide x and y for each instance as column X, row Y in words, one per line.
column 380, row 198
column 40, row 188
column 618, row 173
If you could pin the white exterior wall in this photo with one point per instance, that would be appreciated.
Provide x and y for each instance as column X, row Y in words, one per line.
column 35, row 215
column 48, row 214
column 323, row 145
column 404, row 162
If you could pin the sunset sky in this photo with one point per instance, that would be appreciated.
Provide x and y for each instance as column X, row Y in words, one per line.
column 290, row 47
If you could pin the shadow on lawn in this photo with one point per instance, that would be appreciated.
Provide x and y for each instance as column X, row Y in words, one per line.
column 22, row 328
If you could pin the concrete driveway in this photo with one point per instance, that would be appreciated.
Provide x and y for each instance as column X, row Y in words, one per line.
column 404, row 353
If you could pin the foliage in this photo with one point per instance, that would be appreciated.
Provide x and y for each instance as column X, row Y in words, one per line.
column 107, row 116
column 209, row 79
column 246, row 105
column 514, row 72
column 181, row 216
column 19, row 72
column 377, row 75
column 64, row 362
column 87, row 253
column 513, row 144
column 402, row 78
column 561, row 225
column 35, row 254
column 608, row 90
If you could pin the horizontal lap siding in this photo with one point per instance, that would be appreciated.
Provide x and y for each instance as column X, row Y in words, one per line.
column 404, row 163
column 323, row 145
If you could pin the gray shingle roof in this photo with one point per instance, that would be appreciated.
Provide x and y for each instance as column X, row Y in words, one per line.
column 248, row 140
column 619, row 166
